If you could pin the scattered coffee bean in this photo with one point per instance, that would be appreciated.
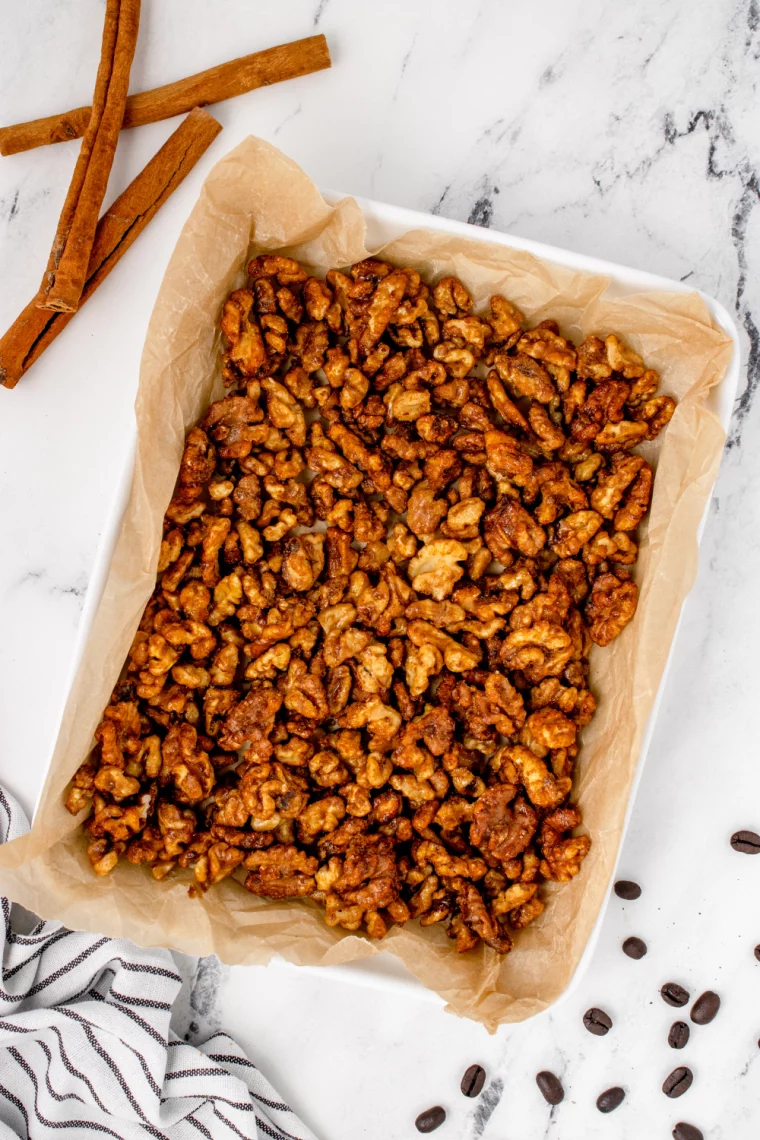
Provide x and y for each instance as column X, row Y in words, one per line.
column 677, row 1082
column 705, row 1008
column 686, row 1132
column 635, row 947
column 625, row 889
column 430, row 1119
column 473, row 1080
column 757, row 953
column 597, row 1021
column 748, row 842
column 611, row 1099
column 674, row 994
column 551, row 1087
column 679, row 1035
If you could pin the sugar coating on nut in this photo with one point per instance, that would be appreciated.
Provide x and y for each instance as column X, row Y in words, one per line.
column 363, row 672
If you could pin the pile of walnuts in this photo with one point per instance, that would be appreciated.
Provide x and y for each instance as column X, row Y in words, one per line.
column 362, row 673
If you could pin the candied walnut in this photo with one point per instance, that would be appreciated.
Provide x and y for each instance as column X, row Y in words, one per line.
column 542, row 343
column 115, row 783
column 498, row 829
column 513, row 897
column 322, row 816
column 401, row 543
column 451, row 298
column 218, row 862
column 374, row 464
column 559, row 492
column 620, row 436
column 506, row 321
column 369, row 876
column 187, row 765
column 622, row 359
column 442, row 469
column 247, row 497
column 80, row 794
column 611, row 485
column 358, row 802
column 197, row 467
column 444, row 863
column 525, row 377
column 611, row 605
column 562, row 862
column 303, row 561
column 605, row 547
column 476, row 916
column 523, row 915
column 547, row 729
column 269, row 664
column 574, row 531
column 592, row 360
column 247, row 351
column 549, row 436
column 285, row 269
column 457, row 361
column 543, row 789
column 381, row 720
column 643, row 388
column 304, row 693
column 284, row 411
column 636, row 501
column 656, row 414
column 457, row 658
column 541, row 650
column 235, row 424
column 281, row 872
column 434, row 570
column 252, row 718
column 602, row 408
column 562, row 819
column 509, row 527
column 503, row 404
column 424, row 510
column 462, row 521
column 405, row 406
column 422, row 663
column 385, row 301
column 505, row 458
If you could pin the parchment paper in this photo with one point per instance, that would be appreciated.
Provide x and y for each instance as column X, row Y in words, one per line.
column 257, row 199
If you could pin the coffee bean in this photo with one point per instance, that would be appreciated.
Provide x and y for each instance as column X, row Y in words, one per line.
column 473, row 1080
column 677, row 1082
column 705, row 1008
column 635, row 948
column 674, row 994
column 679, row 1035
column 611, row 1099
column 430, row 1119
column 686, row 1132
column 551, row 1087
column 748, row 842
column 757, row 953
column 625, row 889
column 597, row 1021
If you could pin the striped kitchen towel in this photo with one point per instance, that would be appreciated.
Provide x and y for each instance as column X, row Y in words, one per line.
column 86, row 1047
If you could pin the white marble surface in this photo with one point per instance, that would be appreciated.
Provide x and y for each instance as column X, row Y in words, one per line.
column 629, row 131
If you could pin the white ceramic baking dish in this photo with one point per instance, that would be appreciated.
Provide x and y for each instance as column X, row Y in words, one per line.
column 384, row 223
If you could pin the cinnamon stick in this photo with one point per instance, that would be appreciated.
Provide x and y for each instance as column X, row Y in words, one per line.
column 120, row 226
column 261, row 69
column 67, row 266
